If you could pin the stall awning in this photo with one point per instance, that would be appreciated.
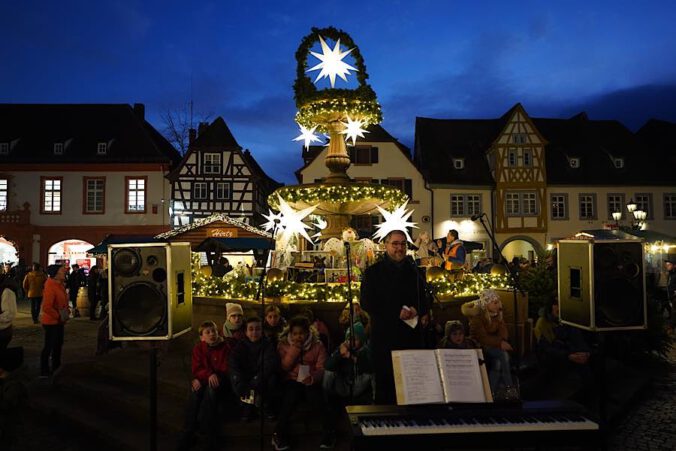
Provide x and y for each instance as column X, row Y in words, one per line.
column 102, row 247
column 234, row 244
column 650, row 236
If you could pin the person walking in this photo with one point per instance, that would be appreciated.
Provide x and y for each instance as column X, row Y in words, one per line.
column 33, row 284
column 55, row 313
column 8, row 290
column 93, row 291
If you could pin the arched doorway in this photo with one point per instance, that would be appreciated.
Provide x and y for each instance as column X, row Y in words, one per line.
column 522, row 247
column 69, row 252
column 8, row 252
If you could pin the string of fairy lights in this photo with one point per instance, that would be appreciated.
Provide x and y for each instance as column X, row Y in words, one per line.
column 314, row 194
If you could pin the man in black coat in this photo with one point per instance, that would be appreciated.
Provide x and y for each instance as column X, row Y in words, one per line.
column 392, row 291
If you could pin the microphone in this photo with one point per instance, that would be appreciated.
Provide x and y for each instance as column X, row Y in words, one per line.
column 477, row 216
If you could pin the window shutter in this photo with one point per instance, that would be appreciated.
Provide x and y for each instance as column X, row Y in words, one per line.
column 374, row 155
column 408, row 188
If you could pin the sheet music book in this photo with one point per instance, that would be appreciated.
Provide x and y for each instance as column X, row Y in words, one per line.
column 439, row 376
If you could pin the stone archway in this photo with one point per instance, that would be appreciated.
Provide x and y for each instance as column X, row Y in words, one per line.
column 8, row 251
column 521, row 246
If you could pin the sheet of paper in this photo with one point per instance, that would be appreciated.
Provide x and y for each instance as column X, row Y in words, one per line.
column 461, row 375
column 416, row 377
column 303, row 372
column 411, row 322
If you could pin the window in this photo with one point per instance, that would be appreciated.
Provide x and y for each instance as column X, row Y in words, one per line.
column 101, row 149
column 587, row 206
column 559, row 206
column 51, row 195
column 363, row 154
column 457, row 205
column 574, row 163
column 4, row 187
column 523, row 203
column 406, row 185
column 58, row 148
column 95, row 195
column 512, row 158
column 212, row 163
column 669, row 205
column 527, row 157
column 615, row 203
column 644, row 201
column 4, row 148
column 365, row 225
column 459, row 163
column 136, row 194
column 618, row 162
column 199, row 190
column 223, row 190
column 473, row 203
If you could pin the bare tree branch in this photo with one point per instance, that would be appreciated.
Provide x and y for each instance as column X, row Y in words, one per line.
column 177, row 124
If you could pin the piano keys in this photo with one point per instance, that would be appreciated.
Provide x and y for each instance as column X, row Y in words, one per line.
column 492, row 426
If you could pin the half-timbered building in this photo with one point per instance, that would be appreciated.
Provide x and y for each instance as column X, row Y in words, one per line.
column 217, row 175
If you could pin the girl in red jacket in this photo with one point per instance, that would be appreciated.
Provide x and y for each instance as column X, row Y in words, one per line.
column 210, row 384
column 55, row 313
column 302, row 357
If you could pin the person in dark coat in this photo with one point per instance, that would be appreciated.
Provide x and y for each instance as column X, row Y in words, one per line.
column 75, row 280
column 670, row 264
column 393, row 291
column 93, row 291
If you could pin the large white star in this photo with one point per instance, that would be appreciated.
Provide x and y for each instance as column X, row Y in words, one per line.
column 308, row 136
column 292, row 220
column 332, row 63
column 353, row 129
column 274, row 219
column 397, row 220
column 319, row 224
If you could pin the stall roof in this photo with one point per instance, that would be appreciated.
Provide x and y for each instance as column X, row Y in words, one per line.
column 234, row 244
column 102, row 247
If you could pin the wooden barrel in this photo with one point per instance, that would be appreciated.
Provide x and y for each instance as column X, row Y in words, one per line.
column 83, row 301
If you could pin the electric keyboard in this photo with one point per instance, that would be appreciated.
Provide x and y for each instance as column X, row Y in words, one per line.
column 559, row 423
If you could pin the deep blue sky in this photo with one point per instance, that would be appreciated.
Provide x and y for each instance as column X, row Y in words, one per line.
column 446, row 59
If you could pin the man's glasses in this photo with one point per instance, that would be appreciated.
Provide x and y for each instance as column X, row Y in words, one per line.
column 398, row 243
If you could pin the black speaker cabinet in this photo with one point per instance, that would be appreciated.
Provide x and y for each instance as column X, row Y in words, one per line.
column 602, row 284
column 150, row 286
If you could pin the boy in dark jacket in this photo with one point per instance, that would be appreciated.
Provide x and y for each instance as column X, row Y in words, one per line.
column 254, row 364
column 208, row 386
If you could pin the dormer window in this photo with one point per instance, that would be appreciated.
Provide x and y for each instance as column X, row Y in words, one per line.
column 101, row 148
column 4, row 148
column 574, row 163
column 618, row 162
column 459, row 163
column 58, row 148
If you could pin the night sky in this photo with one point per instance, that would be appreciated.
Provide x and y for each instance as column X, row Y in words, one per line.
column 443, row 59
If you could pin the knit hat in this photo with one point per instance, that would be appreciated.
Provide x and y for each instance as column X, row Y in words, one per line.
column 231, row 308
column 487, row 296
column 359, row 332
column 52, row 270
column 452, row 326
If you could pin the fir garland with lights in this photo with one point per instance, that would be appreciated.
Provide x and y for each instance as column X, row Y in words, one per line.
column 315, row 106
column 313, row 194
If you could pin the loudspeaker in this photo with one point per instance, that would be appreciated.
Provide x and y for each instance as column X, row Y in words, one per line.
column 602, row 284
column 150, row 286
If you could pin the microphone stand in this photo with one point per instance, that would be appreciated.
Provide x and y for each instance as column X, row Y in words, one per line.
column 515, row 287
column 351, row 304
column 262, row 285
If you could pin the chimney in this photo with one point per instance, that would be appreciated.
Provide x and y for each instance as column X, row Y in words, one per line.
column 192, row 134
column 140, row 110
column 202, row 127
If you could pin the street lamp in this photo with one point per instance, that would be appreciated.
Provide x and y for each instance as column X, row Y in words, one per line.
column 631, row 206
column 640, row 217
column 617, row 215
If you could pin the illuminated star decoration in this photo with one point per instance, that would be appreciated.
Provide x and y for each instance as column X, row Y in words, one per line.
column 353, row 129
column 397, row 220
column 292, row 220
column 307, row 135
column 319, row 224
column 332, row 63
column 273, row 219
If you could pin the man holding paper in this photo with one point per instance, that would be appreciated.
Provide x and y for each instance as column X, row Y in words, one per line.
column 393, row 293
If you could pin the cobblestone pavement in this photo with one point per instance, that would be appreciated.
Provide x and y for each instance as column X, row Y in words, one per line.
column 648, row 425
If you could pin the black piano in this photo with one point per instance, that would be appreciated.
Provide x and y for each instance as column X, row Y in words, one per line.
column 476, row 426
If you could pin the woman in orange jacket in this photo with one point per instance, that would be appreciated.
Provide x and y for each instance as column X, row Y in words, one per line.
column 55, row 313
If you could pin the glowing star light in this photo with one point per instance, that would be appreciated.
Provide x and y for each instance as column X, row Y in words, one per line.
column 353, row 129
column 307, row 135
column 273, row 219
column 319, row 224
column 397, row 220
column 332, row 63
column 292, row 220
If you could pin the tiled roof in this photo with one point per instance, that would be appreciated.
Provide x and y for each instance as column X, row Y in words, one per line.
column 216, row 134
column 33, row 129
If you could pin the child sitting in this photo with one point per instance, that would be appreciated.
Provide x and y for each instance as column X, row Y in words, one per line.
column 360, row 315
column 320, row 326
column 274, row 323
column 254, row 362
column 234, row 317
column 454, row 337
column 302, row 357
column 208, row 386
column 340, row 384
column 488, row 328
